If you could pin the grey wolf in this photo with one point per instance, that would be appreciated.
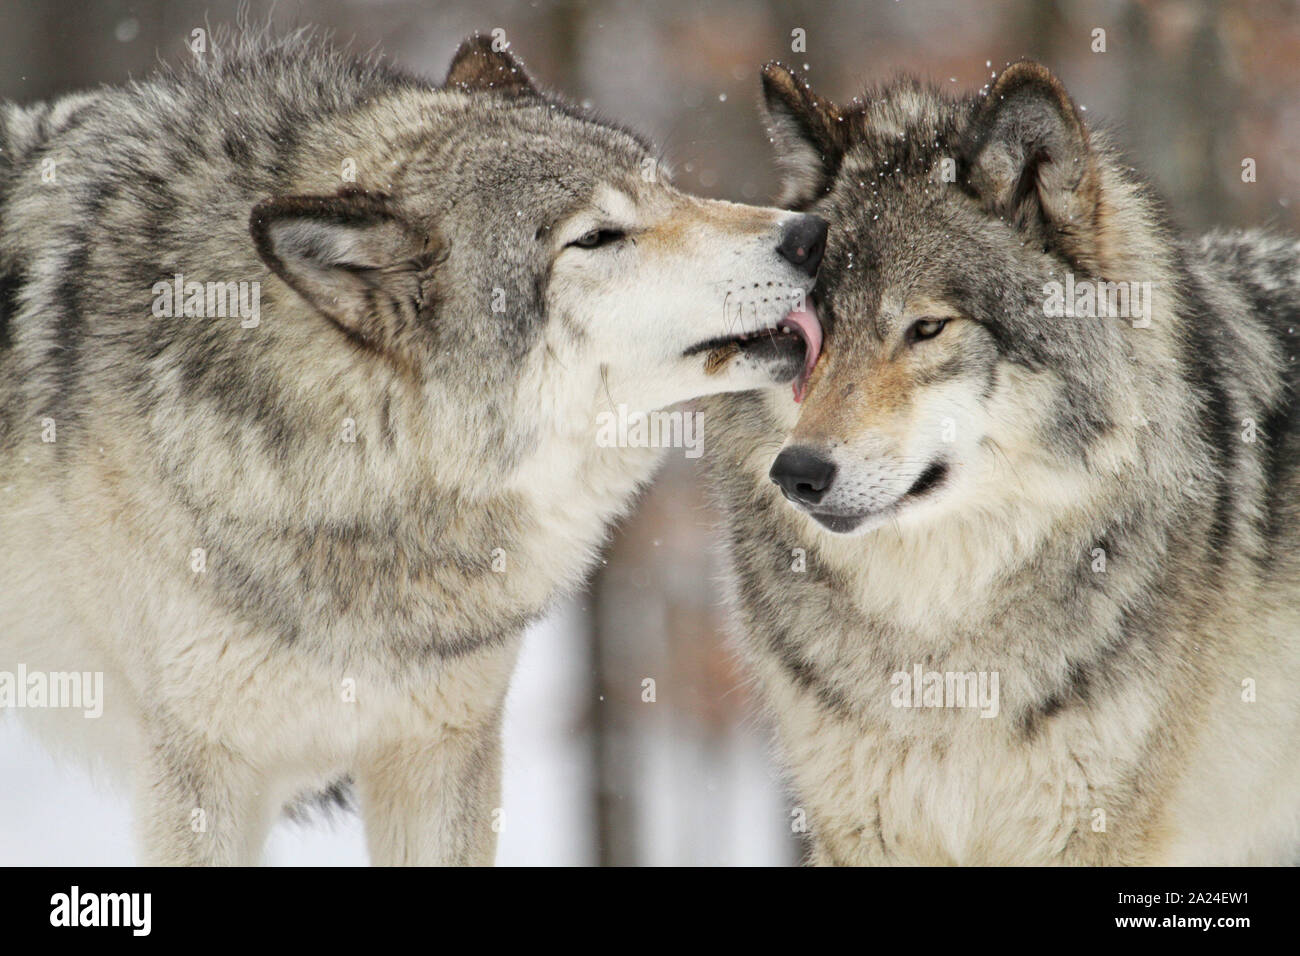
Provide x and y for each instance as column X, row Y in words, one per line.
column 1020, row 582
column 300, row 369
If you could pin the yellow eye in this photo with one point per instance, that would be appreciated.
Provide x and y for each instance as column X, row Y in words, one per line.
column 926, row 329
column 598, row 237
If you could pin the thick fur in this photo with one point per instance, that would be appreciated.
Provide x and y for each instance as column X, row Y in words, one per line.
column 1127, row 731
column 306, row 549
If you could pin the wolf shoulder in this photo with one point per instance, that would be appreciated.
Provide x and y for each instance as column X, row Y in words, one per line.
column 1257, row 275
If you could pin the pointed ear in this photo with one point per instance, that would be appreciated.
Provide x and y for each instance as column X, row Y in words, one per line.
column 1027, row 157
column 352, row 258
column 807, row 132
column 477, row 65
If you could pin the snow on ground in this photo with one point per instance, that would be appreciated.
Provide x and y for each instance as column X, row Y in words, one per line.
column 700, row 806
column 55, row 814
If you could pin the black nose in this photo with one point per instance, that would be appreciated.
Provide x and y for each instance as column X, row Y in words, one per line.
column 802, row 474
column 804, row 242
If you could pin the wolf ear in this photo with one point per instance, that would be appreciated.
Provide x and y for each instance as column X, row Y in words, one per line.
column 478, row 65
column 351, row 257
column 807, row 132
column 1027, row 157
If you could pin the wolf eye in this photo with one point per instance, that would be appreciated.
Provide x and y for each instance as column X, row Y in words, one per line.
column 925, row 329
column 598, row 237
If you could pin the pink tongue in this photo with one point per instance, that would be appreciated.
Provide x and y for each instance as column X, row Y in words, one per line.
column 804, row 321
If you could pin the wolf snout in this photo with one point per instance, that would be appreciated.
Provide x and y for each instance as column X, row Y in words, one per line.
column 803, row 475
column 803, row 243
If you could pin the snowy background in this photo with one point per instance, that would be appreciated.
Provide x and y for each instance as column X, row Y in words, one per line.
column 52, row 814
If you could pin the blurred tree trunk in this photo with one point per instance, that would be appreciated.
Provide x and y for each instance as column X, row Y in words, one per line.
column 1038, row 26
column 1180, row 106
column 614, row 814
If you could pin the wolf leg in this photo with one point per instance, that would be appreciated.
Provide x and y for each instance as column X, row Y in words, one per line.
column 196, row 805
column 433, row 802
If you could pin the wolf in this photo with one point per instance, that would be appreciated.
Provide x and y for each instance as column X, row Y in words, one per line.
column 1020, row 582
column 300, row 369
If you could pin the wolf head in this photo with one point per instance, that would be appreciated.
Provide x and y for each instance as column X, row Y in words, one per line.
column 492, row 231
column 948, row 378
